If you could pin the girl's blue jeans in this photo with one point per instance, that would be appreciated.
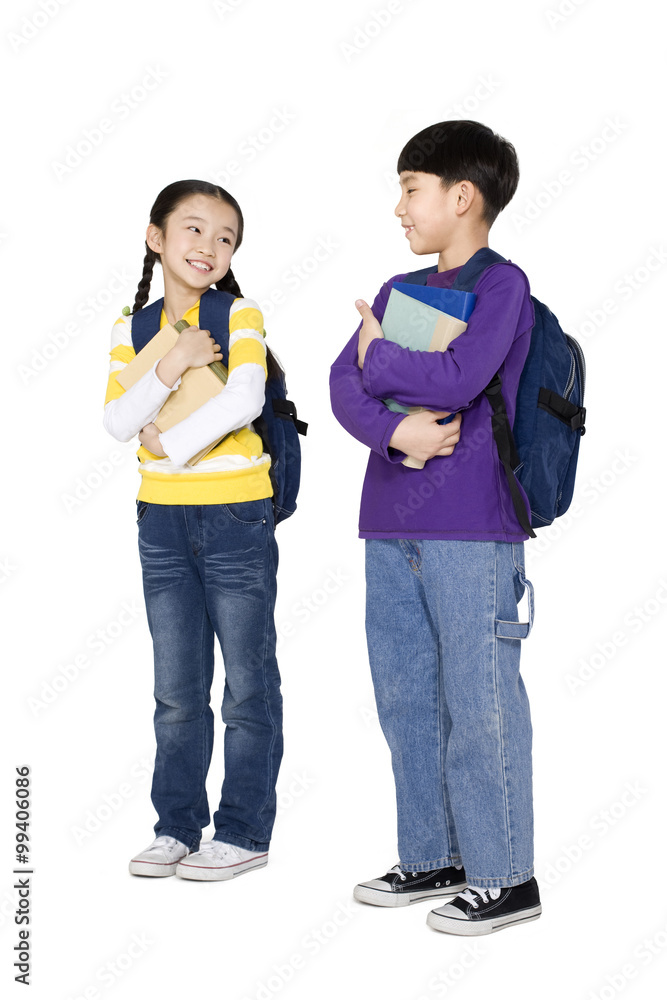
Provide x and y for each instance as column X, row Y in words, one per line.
column 444, row 645
column 209, row 571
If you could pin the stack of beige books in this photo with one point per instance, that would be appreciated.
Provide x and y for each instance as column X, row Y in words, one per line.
column 198, row 385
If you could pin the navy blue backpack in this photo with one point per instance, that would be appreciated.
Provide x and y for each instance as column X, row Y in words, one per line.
column 542, row 451
column 277, row 426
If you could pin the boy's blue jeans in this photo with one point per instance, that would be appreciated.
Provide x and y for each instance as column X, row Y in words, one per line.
column 211, row 570
column 440, row 616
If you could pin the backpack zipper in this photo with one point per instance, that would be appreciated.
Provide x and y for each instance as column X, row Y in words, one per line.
column 576, row 353
column 569, row 385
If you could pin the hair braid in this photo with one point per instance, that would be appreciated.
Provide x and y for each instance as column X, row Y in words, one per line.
column 228, row 283
column 143, row 288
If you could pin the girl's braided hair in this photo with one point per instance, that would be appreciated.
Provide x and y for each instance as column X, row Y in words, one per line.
column 165, row 203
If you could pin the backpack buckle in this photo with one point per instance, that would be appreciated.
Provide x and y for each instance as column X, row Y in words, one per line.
column 578, row 420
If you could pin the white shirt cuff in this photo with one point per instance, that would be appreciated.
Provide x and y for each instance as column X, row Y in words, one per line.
column 235, row 406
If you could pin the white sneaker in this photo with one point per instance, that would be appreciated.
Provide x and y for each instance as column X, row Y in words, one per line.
column 216, row 860
column 160, row 859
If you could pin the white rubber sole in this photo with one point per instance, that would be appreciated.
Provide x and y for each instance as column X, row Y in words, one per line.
column 453, row 925
column 199, row 873
column 382, row 897
column 155, row 869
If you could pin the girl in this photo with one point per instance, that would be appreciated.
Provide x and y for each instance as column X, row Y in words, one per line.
column 207, row 548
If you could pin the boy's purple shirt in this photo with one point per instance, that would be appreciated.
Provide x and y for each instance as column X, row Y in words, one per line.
column 460, row 496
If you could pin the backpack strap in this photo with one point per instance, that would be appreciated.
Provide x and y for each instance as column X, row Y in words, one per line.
column 286, row 409
column 419, row 277
column 466, row 280
column 568, row 413
column 469, row 274
column 473, row 269
column 145, row 324
column 214, row 307
column 509, row 457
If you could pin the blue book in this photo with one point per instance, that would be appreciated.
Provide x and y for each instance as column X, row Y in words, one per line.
column 448, row 300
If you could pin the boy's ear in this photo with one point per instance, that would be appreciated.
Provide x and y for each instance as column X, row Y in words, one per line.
column 154, row 238
column 465, row 195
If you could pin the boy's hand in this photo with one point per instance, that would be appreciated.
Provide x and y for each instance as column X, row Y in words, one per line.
column 419, row 436
column 370, row 329
column 150, row 440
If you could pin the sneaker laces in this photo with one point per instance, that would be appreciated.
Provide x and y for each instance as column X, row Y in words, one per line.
column 467, row 894
column 399, row 871
column 219, row 850
column 164, row 841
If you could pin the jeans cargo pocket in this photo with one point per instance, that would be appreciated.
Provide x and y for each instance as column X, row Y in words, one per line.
column 518, row 630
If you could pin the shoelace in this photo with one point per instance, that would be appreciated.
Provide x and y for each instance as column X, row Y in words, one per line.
column 467, row 894
column 398, row 870
column 404, row 875
column 219, row 849
column 164, row 843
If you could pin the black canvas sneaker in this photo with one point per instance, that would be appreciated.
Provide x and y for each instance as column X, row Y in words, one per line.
column 399, row 888
column 481, row 911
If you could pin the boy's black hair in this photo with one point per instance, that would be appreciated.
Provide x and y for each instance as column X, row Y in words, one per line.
column 466, row 151
column 165, row 203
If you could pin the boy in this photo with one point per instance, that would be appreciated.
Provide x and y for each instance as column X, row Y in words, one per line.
column 444, row 554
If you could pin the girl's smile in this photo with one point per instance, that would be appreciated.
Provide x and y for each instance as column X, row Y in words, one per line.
column 197, row 245
column 200, row 265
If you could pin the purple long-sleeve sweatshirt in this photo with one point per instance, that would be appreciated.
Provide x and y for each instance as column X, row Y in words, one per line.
column 464, row 495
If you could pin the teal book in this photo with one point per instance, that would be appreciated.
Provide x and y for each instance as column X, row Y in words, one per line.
column 411, row 322
column 423, row 318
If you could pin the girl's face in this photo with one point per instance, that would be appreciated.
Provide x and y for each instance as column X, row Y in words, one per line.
column 197, row 244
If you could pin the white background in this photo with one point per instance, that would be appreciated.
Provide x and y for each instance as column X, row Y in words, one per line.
column 353, row 92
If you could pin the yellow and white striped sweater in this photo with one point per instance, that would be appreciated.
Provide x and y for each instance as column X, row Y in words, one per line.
column 237, row 469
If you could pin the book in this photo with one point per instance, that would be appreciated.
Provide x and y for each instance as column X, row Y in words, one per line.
column 198, row 385
column 448, row 300
column 424, row 318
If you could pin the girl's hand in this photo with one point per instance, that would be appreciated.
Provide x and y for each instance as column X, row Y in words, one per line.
column 197, row 347
column 193, row 349
column 419, row 436
column 148, row 436
column 370, row 329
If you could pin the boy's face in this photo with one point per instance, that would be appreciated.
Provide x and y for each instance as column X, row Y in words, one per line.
column 427, row 211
